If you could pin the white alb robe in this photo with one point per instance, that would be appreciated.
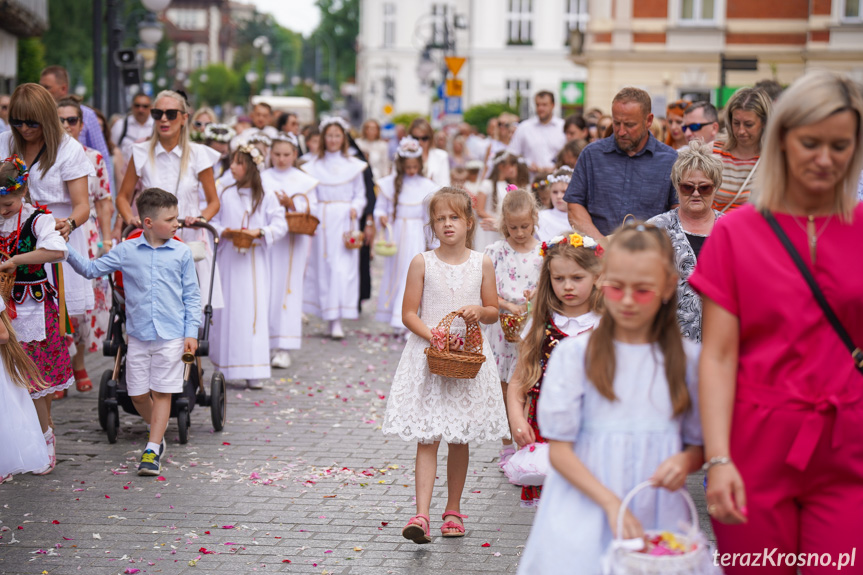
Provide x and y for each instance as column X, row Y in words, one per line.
column 332, row 284
column 410, row 235
column 239, row 341
column 288, row 258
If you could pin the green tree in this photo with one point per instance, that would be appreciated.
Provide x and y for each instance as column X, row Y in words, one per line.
column 222, row 85
column 338, row 30
column 31, row 59
column 479, row 115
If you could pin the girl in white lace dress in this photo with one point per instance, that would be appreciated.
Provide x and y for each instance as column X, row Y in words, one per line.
column 428, row 408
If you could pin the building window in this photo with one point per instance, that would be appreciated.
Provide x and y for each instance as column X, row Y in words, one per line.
column 199, row 57
column 575, row 18
column 389, row 22
column 188, row 18
column 697, row 11
column 440, row 20
column 852, row 10
column 520, row 23
column 517, row 92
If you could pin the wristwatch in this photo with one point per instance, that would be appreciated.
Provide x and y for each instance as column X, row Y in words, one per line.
column 203, row 219
column 72, row 225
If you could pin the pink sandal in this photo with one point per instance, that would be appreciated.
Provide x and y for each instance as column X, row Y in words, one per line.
column 452, row 524
column 415, row 531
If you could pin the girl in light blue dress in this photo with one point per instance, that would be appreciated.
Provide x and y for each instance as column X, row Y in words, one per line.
column 618, row 407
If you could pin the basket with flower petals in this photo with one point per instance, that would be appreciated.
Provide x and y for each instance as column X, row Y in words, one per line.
column 451, row 356
column 7, row 280
column 353, row 238
column 512, row 326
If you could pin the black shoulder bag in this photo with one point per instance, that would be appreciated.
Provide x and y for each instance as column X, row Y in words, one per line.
column 856, row 353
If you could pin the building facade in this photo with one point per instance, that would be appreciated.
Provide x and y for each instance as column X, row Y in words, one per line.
column 586, row 50
column 672, row 48
column 203, row 32
column 513, row 49
column 18, row 19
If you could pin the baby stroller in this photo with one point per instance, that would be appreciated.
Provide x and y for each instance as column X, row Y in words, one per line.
column 112, row 386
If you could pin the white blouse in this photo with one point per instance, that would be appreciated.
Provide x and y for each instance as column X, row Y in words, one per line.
column 436, row 168
column 51, row 188
column 164, row 172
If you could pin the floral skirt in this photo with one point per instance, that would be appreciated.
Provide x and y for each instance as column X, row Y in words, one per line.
column 530, row 493
column 51, row 355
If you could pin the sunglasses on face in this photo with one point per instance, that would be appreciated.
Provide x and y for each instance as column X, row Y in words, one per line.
column 157, row 114
column 694, row 127
column 680, row 105
column 141, row 106
column 422, row 138
column 71, row 120
column 616, row 293
column 689, row 189
column 201, row 125
column 15, row 123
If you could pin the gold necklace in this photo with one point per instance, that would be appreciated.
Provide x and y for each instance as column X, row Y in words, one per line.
column 811, row 234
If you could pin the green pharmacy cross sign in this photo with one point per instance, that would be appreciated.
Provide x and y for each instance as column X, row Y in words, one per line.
column 572, row 93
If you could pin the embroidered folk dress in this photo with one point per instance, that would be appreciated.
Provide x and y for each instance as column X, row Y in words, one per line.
column 164, row 173
column 33, row 306
column 688, row 302
column 332, row 284
column 51, row 190
column 408, row 233
column 288, row 257
column 514, row 273
column 425, row 407
column 621, row 443
column 240, row 346
column 557, row 328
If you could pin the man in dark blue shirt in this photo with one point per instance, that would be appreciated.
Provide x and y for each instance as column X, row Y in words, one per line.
column 628, row 173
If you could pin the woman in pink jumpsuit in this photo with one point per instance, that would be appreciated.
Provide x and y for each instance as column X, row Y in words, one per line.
column 781, row 397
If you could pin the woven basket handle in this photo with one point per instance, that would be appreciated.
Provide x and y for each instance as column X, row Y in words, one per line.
column 388, row 235
column 5, row 255
column 308, row 204
column 693, row 512
column 472, row 331
column 244, row 223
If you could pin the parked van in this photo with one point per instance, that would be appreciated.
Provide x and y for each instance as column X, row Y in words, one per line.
column 304, row 108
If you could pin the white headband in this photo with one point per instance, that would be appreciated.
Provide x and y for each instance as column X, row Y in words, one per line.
column 260, row 138
column 409, row 148
column 219, row 133
column 287, row 137
column 565, row 177
column 327, row 120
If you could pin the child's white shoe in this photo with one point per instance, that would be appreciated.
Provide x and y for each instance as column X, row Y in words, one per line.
column 281, row 359
column 336, row 331
column 255, row 383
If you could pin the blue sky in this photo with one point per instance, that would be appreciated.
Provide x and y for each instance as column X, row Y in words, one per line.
column 297, row 15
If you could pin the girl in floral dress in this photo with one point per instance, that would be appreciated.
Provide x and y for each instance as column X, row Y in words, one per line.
column 566, row 303
column 516, row 269
column 90, row 332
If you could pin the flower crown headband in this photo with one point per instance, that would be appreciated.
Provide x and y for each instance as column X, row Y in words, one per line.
column 260, row 138
column 17, row 182
column 574, row 239
column 409, row 148
column 219, row 133
column 505, row 156
column 287, row 137
column 255, row 153
column 565, row 176
column 537, row 184
column 327, row 120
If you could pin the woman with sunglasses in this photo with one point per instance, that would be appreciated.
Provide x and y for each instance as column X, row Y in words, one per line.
column 90, row 328
column 435, row 161
column 781, row 396
column 169, row 160
column 58, row 180
column 202, row 118
column 674, row 135
column 696, row 176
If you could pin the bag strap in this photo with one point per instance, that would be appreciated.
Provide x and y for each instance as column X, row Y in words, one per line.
column 856, row 353
column 742, row 187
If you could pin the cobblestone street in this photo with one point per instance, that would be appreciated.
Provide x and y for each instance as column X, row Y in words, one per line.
column 301, row 480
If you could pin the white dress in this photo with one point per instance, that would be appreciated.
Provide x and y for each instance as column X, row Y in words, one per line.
column 23, row 446
column 514, row 272
column 52, row 192
column 409, row 233
column 164, row 173
column 621, row 443
column 436, row 168
column 484, row 238
column 239, row 345
column 425, row 407
column 288, row 258
column 332, row 284
column 552, row 223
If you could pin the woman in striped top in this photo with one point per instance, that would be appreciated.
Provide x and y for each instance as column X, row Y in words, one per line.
column 745, row 119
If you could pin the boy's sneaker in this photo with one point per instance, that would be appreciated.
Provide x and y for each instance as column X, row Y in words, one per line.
column 150, row 464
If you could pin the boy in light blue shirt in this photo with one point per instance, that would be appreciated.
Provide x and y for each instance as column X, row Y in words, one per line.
column 163, row 313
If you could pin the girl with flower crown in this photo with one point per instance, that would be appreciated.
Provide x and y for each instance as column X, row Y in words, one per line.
column 240, row 339
column 565, row 303
column 401, row 206
column 29, row 237
column 288, row 255
column 332, row 289
column 507, row 169
column 555, row 221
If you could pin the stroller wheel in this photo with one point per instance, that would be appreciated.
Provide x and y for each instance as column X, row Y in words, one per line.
column 103, row 393
column 183, row 425
column 112, row 422
column 218, row 401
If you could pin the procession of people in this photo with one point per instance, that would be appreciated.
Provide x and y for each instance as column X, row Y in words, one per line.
column 636, row 307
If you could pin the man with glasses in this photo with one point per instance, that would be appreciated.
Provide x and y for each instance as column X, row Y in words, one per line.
column 4, row 112
column 55, row 79
column 701, row 122
column 136, row 127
